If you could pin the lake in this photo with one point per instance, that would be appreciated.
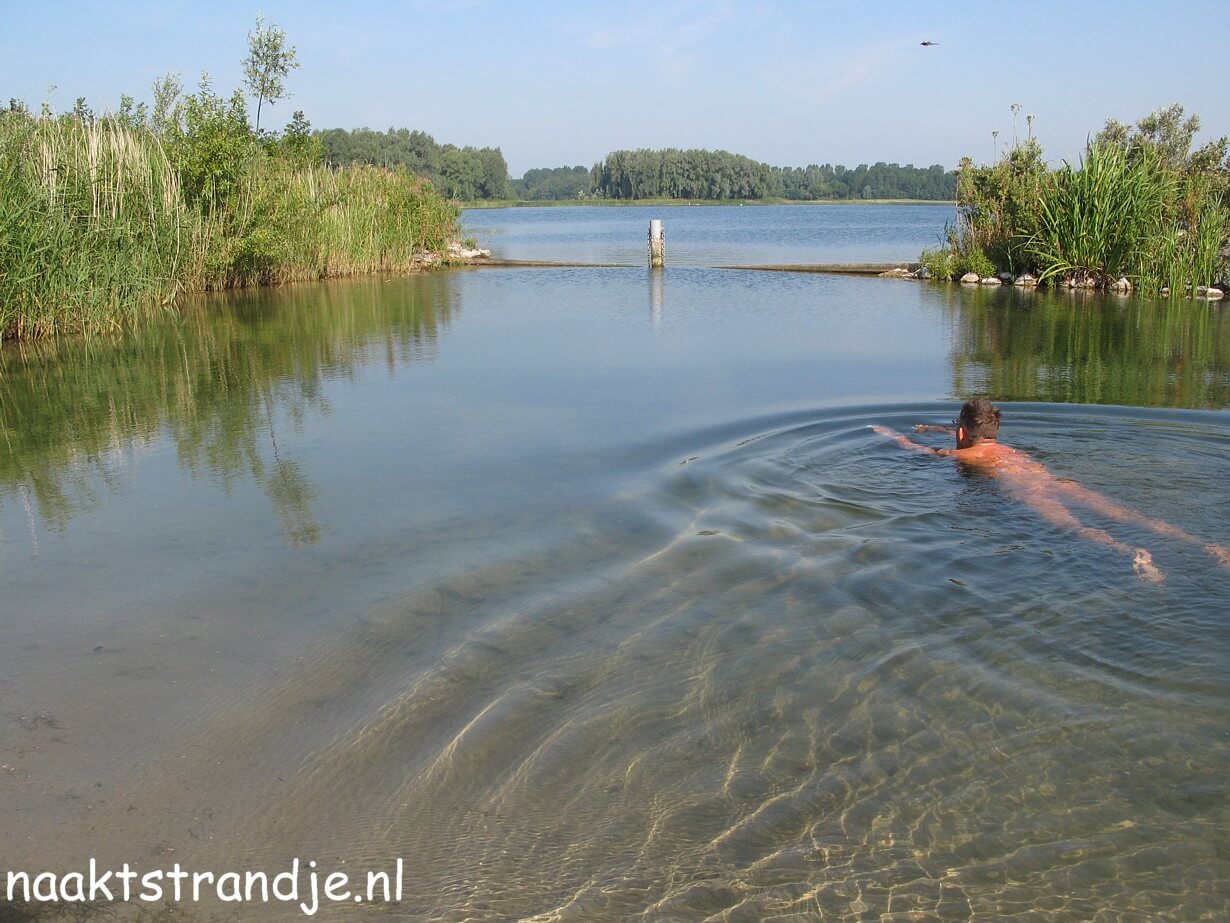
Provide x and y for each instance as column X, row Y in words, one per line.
column 590, row 594
column 708, row 235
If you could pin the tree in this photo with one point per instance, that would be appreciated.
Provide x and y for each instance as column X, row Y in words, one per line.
column 701, row 174
column 553, row 183
column 494, row 182
column 211, row 144
column 167, row 91
column 1169, row 133
column 267, row 65
column 461, row 174
column 301, row 147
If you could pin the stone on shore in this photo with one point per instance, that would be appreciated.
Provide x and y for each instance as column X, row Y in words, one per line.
column 1122, row 286
column 458, row 251
column 1080, row 280
column 898, row 273
column 989, row 280
column 1214, row 294
column 970, row 278
column 1025, row 280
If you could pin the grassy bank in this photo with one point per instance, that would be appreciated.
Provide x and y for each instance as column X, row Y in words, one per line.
column 1140, row 205
column 104, row 219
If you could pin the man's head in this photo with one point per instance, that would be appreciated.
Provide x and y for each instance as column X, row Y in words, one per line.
column 978, row 422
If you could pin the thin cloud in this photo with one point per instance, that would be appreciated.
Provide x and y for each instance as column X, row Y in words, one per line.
column 447, row 7
column 823, row 79
column 669, row 31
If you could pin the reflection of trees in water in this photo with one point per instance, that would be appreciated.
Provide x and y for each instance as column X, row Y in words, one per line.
column 292, row 498
column 221, row 381
column 1088, row 348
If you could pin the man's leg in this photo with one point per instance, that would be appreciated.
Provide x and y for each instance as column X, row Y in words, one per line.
column 1107, row 507
column 1055, row 512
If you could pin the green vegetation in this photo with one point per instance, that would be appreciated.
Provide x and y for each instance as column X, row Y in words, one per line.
column 939, row 264
column 91, row 225
column 103, row 218
column 463, row 173
column 480, row 175
column 553, row 184
column 712, row 175
column 881, row 181
column 270, row 60
column 1141, row 205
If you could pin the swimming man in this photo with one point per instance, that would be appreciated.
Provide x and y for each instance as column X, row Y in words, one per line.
column 977, row 432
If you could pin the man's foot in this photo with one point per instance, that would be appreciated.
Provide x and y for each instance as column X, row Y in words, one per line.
column 1144, row 567
column 1217, row 551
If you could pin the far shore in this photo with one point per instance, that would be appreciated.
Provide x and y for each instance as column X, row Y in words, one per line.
column 551, row 203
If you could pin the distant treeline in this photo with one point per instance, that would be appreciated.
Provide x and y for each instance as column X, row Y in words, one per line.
column 879, row 181
column 472, row 174
column 698, row 174
column 463, row 173
column 553, row 183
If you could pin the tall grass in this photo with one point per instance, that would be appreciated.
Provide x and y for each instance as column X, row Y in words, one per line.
column 1192, row 247
column 291, row 223
column 1104, row 219
column 1138, row 206
column 95, row 229
column 91, row 225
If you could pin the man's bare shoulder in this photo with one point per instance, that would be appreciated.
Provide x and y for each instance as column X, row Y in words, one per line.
column 994, row 456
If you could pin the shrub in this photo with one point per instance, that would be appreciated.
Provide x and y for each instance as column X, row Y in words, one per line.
column 97, row 225
column 1103, row 219
column 1141, row 204
column 939, row 264
column 975, row 261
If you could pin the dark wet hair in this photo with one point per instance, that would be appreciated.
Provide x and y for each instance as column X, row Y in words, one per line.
column 980, row 419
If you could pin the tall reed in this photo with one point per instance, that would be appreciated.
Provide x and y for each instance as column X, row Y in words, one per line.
column 1103, row 219
column 1140, row 205
column 95, row 228
column 1191, row 249
column 91, row 225
column 290, row 223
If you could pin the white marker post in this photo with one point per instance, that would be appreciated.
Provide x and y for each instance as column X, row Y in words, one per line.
column 657, row 245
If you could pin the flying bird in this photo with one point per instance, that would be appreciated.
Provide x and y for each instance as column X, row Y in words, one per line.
column 928, row 44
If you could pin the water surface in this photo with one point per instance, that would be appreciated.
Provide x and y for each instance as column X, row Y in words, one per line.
column 591, row 594
column 707, row 235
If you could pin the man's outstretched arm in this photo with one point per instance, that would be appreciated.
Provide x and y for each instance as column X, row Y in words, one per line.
column 933, row 428
column 904, row 441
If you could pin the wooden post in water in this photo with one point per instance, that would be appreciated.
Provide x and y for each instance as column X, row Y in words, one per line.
column 657, row 244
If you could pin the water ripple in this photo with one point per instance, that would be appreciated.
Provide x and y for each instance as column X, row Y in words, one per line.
column 789, row 671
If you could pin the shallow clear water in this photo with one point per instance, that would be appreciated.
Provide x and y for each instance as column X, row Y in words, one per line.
column 591, row 594
column 706, row 235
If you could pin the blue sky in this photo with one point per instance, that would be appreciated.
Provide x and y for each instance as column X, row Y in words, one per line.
column 563, row 83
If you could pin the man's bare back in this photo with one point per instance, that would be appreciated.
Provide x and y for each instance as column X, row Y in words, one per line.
column 1030, row 482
